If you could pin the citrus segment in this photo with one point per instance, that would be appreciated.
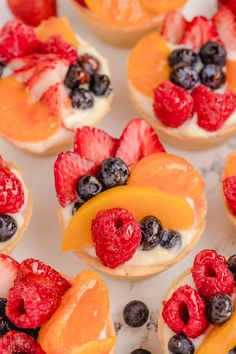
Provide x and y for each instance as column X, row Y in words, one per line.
column 230, row 167
column 162, row 6
column 148, row 64
column 231, row 75
column 103, row 346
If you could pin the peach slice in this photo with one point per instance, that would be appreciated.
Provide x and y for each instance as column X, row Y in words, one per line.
column 230, row 166
column 102, row 346
column 231, row 75
column 173, row 211
column 162, row 6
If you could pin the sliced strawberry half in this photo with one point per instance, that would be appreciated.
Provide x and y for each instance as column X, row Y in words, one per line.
column 225, row 22
column 58, row 46
column 57, row 100
column 9, row 269
column 229, row 188
column 173, row 27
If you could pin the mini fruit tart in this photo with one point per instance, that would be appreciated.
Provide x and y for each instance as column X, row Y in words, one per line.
column 15, row 206
column 229, row 187
column 43, row 312
column 122, row 22
column 126, row 206
column 56, row 83
column 198, row 314
column 183, row 81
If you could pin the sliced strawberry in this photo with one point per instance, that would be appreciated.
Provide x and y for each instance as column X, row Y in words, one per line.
column 24, row 75
column 8, row 270
column 138, row 140
column 94, row 144
column 225, row 22
column 57, row 100
column 173, row 27
column 229, row 188
column 68, row 168
column 57, row 45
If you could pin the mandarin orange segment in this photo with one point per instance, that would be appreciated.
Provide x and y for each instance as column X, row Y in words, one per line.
column 148, row 63
column 21, row 118
column 80, row 318
column 102, row 346
column 173, row 211
column 162, row 6
column 168, row 173
column 231, row 75
column 230, row 166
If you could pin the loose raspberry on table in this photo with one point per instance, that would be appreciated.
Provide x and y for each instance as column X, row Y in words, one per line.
column 229, row 188
column 18, row 343
column 57, row 45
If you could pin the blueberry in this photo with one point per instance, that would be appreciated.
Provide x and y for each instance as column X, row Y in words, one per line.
column 212, row 76
column 90, row 64
column 184, row 76
column 183, row 57
column 151, row 232
column 231, row 262
column 233, row 350
column 75, row 76
column 113, row 172
column 81, row 98
column 213, row 53
column 140, row 351
column 8, row 227
column 135, row 314
column 179, row 344
column 170, row 238
column 88, row 186
column 100, row 85
column 5, row 324
column 76, row 206
column 219, row 309
column 3, row 303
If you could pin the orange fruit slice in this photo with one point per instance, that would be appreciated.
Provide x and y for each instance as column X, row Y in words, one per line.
column 21, row 118
column 148, row 63
column 162, row 6
column 168, row 173
column 102, row 346
column 173, row 211
column 230, row 166
column 231, row 75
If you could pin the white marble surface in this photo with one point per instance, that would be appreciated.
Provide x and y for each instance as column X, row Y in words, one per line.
column 42, row 240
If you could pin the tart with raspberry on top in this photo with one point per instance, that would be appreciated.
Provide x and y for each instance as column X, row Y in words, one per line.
column 44, row 312
column 122, row 22
column 183, row 81
column 127, row 207
column 198, row 314
column 229, row 187
column 56, row 83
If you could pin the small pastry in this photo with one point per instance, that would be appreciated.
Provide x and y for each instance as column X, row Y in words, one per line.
column 127, row 207
column 122, row 22
column 229, row 187
column 183, row 81
column 198, row 314
column 15, row 206
column 51, row 82
column 44, row 312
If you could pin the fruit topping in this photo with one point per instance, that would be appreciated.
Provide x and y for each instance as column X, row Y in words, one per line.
column 8, row 227
column 116, row 236
column 233, row 350
column 230, row 166
column 161, row 6
column 57, row 45
column 225, row 23
column 213, row 53
column 229, row 188
column 76, row 206
column 88, row 186
column 151, row 229
column 184, row 76
column 170, row 238
column 219, row 309
column 56, row 100
column 81, row 98
column 213, row 76
column 18, row 342
column 211, row 274
column 113, row 172
column 8, row 270
column 5, row 325
column 180, row 344
column 183, row 57
column 231, row 69
column 100, row 85
column 231, row 263
column 184, row 312
column 140, row 351
column 173, row 27
column 76, row 76
column 135, row 314
column 89, row 63
column 1, row 68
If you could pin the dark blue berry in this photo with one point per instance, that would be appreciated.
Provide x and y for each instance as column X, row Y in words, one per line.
column 183, row 57
column 231, row 262
column 76, row 206
column 184, row 76
column 151, row 232
column 140, row 351
column 135, row 314
column 5, row 324
column 75, row 76
column 88, row 186
column 81, row 98
column 100, row 85
column 170, row 238
column 3, row 303
column 113, row 172
column 219, row 309
column 233, row 350
column 212, row 76
column 213, row 53
column 179, row 344
column 8, row 227
column 90, row 64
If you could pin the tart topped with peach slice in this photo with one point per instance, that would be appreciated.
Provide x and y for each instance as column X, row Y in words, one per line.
column 56, row 83
column 229, row 187
column 126, row 206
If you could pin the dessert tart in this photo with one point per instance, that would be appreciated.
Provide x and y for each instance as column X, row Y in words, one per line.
column 198, row 314
column 127, row 207
column 183, row 81
column 56, row 82
column 44, row 312
column 15, row 206
column 229, row 187
column 122, row 22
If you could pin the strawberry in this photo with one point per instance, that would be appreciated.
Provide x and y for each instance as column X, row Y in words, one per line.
column 81, row 2
column 212, row 108
column 34, row 11
column 94, row 144
column 68, row 168
column 57, row 100
column 231, row 4
column 138, row 140
column 225, row 22
column 229, row 188
column 56, row 45
column 8, row 270
column 173, row 27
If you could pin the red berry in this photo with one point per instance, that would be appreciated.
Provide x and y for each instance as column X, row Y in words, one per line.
column 18, row 342
column 173, row 27
column 9, row 269
column 57, row 45
column 137, row 141
column 184, row 312
column 225, row 22
column 116, row 236
column 211, row 274
column 172, row 104
column 231, row 4
column 212, row 108
column 229, row 188
column 81, row 2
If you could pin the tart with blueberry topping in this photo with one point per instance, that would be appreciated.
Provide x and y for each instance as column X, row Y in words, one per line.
column 183, row 81
column 56, row 82
column 229, row 187
column 126, row 206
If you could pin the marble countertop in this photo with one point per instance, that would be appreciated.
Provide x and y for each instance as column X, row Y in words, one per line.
column 42, row 239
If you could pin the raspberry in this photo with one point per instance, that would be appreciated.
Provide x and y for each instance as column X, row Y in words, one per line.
column 32, row 270
column 229, row 188
column 116, row 236
column 172, row 104
column 56, row 45
column 212, row 108
column 184, row 312
column 18, row 343
column 211, row 274
column 29, row 305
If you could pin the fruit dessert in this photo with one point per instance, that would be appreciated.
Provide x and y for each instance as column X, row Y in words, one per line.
column 231, row 4
column 183, row 81
column 123, row 22
column 15, row 206
column 126, row 206
column 56, row 83
column 198, row 314
column 43, row 312
column 229, row 187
